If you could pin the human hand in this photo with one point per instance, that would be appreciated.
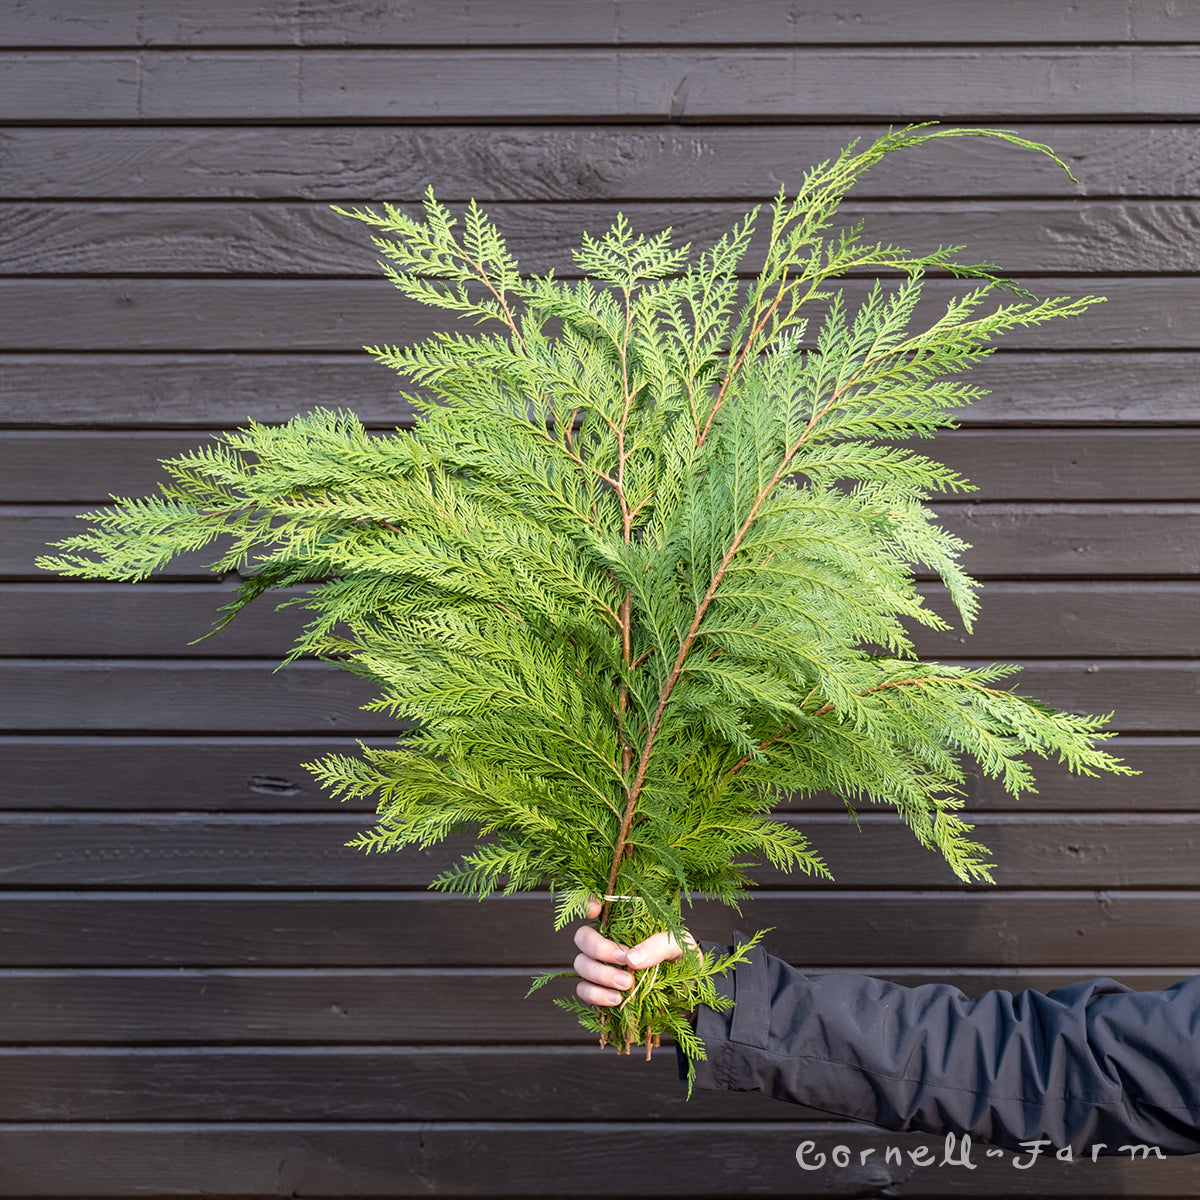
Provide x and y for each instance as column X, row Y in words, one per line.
column 600, row 963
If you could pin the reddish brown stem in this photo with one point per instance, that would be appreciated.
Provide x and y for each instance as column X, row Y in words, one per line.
column 693, row 630
column 741, row 762
column 879, row 687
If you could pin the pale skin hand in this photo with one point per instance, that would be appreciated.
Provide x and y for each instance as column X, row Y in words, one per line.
column 600, row 964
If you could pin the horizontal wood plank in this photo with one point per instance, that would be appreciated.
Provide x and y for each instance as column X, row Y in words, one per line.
column 1029, row 850
column 1073, row 464
column 218, row 238
column 82, row 695
column 371, row 1083
column 1025, row 620
column 327, row 1006
column 532, row 22
column 249, row 773
column 993, row 83
column 198, row 391
column 1023, row 540
column 88, row 467
column 386, row 1159
column 1092, row 619
column 1085, row 539
column 368, row 1006
column 985, row 928
column 588, row 162
column 304, row 315
column 215, row 391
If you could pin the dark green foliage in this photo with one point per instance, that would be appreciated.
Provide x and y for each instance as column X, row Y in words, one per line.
column 642, row 568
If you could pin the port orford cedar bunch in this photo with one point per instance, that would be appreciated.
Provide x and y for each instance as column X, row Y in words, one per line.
column 643, row 564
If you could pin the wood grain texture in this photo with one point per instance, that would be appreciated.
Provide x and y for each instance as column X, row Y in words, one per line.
column 1083, row 619
column 1048, row 464
column 1007, row 539
column 717, row 84
column 1073, row 464
column 330, row 1007
column 370, row 1083
column 986, row 928
column 385, row 1159
column 302, row 315
column 531, row 22
column 243, row 773
column 179, row 696
column 582, row 162
column 83, row 695
column 203, row 990
column 214, row 391
column 1030, row 850
column 1064, row 539
column 219, row 237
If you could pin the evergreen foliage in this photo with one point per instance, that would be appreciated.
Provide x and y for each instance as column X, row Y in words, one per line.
column 643, row 566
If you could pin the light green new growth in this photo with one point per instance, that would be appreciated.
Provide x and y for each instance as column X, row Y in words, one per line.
column 642, row 568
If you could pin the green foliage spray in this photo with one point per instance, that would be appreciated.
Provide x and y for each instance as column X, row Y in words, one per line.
column 642, row 567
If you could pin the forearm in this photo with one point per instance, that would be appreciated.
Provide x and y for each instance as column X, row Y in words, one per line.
column 1088, row 1064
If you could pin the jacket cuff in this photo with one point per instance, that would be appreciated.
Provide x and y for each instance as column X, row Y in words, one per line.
column 747, row 1022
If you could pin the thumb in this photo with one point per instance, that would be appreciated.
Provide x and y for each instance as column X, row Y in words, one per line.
column 658, row 948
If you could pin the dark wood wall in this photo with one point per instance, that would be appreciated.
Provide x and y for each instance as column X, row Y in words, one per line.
column 200, row 990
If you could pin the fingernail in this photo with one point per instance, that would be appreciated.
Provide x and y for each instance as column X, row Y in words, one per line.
column 624, row 981
column 634, row 958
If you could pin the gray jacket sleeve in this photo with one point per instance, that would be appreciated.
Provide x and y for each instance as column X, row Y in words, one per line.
column 1090, row 1063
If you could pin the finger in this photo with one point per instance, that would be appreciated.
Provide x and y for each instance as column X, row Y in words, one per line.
column 659, row 948
column 604, row 974
column 589, row 993
column 595, row 945
column 594, row 908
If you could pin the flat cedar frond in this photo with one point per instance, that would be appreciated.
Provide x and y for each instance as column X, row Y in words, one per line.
column 644, row 565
